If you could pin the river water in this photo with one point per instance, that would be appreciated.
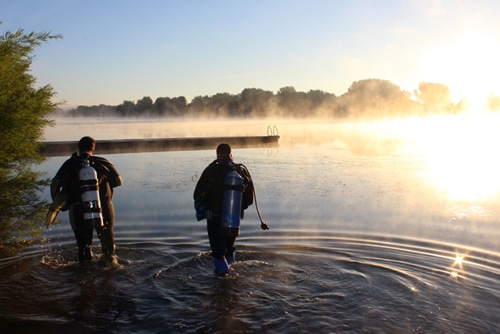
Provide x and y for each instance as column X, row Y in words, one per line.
column 386, row 227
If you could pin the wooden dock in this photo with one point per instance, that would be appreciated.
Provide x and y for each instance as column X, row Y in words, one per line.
column 66, row 148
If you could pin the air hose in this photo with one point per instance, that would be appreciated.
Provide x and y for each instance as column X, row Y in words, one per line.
column 263, row 224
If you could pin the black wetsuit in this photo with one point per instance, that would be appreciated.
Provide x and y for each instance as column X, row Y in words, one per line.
column 67, row 181
column 208, row 195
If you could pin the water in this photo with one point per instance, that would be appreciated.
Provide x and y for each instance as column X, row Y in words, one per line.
column 369, row 234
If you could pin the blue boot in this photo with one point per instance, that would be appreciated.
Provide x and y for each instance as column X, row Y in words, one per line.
column 230, row 259
column 221, row 267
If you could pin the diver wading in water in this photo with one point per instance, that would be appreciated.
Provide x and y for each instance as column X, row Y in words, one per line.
column 222, row 194
column 84, row 185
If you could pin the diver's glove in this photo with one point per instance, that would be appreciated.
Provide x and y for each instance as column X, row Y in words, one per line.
column 54, row 208
column 51, row 215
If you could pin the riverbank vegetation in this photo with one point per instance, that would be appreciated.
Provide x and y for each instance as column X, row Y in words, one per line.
column 23, row 109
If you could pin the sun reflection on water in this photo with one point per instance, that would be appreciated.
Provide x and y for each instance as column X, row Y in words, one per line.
column 457, row 268
column 459, row 153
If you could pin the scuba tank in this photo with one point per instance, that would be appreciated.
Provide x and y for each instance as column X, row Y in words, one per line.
column 89, row 187
column 231, row 203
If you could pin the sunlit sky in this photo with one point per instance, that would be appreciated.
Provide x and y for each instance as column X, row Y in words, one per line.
column 113, row 51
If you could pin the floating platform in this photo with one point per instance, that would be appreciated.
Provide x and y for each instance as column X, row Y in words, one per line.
column 66, row 148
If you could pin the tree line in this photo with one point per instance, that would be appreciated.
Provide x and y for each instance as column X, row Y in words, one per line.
column 369, row 98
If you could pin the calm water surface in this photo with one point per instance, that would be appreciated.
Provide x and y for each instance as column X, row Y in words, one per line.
column 375, row 228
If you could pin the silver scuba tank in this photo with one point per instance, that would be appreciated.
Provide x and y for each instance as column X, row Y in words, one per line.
column 89, row 187
column 231, row 204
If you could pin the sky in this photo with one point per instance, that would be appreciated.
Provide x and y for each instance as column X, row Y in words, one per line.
column 124, row 50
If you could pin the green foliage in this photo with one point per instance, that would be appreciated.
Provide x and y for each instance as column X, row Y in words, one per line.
column 23, row 108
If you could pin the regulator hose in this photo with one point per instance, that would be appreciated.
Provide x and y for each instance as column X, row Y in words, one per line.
column 263, row 224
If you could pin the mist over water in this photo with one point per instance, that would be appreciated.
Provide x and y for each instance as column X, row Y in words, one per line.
column 376, row 227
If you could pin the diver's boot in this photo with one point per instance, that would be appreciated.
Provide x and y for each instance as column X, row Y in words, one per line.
column 107, row 244
column 81, row 255
column 221, row 267
column 84, row 253
column 230, row 259
column 87, row 252
column 108, row 254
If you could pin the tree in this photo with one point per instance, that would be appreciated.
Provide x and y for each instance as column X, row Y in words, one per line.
column 257, row 102
column 374, row 98
column 170, row 107
column 179, row 105
column 316, row 97
column 493, row 102
column 23, row 109
column 127, row 108
column 435, row 98
column 93, row 111
column 220, row 104
column 144, row 105
column 160, row 105
column 199, row 105
column 320, row 102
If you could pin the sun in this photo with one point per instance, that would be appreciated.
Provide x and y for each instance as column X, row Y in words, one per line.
column 461, row 155
column 467, row 64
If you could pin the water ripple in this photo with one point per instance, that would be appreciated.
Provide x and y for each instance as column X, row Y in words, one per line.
column 306, row 282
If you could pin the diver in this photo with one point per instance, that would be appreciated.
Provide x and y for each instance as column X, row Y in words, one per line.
column 84, row 185
column 224, row 190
